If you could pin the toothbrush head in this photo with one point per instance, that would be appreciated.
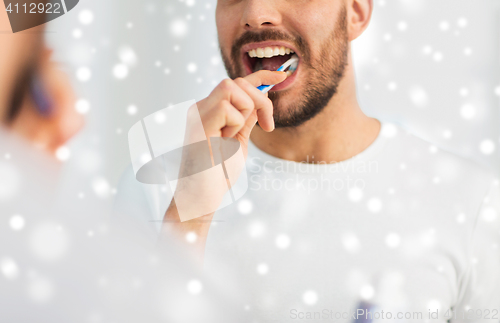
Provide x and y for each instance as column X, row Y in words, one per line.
column 291, row 64
column 293, row 67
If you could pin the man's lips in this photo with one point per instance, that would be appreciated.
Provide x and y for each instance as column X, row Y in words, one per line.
column 283, row 85
column 249, row 62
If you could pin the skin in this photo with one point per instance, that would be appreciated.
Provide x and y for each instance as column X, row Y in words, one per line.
column 340, row 131
column 20, row 51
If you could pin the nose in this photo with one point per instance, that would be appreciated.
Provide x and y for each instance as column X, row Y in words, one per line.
column 260, row 14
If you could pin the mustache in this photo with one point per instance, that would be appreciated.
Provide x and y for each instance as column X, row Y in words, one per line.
column 266, row 35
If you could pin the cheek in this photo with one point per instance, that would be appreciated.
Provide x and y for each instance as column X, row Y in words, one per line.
column 315, row 22
column 224, row 21
column 228, row 26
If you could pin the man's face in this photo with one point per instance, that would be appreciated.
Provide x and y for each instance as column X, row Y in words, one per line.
column 316, row 30
column 36, row 99
column 18, row 59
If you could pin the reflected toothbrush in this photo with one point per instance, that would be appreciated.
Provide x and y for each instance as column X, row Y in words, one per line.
column 291, row 64
column 40, row 96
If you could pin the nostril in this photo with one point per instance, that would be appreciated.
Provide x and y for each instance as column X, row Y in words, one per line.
column 257, row 25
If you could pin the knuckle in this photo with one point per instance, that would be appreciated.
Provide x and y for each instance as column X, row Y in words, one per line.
column 226, row 84
column 240, row 81
column 251, row 105
column 265, row 104
column 222, row 107
column 267, row 109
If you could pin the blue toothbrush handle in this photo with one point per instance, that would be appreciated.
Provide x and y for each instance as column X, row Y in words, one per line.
column 43, row 102
column 265, row 88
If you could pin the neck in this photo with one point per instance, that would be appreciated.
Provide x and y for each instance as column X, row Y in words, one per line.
column 337, row 133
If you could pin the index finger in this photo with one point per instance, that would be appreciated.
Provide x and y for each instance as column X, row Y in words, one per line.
column 264, row 77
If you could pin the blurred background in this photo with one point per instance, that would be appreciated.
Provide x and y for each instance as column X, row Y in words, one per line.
column 431, row 66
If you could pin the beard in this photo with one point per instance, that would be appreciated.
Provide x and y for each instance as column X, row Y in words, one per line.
column 322, row 80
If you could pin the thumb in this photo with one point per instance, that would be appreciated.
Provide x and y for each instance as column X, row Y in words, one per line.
column 264, row 77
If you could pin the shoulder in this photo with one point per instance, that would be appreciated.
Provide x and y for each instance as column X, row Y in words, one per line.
column 439, row 178
column 422, row 155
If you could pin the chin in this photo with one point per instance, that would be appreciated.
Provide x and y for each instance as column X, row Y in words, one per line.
column 286, row 100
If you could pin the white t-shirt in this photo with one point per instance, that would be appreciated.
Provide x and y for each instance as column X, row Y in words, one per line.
column 403, row 229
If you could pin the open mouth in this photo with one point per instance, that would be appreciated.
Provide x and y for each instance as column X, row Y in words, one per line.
column 267, row 58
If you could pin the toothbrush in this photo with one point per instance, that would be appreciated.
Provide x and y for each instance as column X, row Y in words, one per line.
column 43, row 102
column 292, row 63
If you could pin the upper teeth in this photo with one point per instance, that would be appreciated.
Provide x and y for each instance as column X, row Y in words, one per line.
column 268, row 52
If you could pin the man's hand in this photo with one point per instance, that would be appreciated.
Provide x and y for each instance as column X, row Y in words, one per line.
column 231, row 110
column 234, row 106
column 53, row 129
